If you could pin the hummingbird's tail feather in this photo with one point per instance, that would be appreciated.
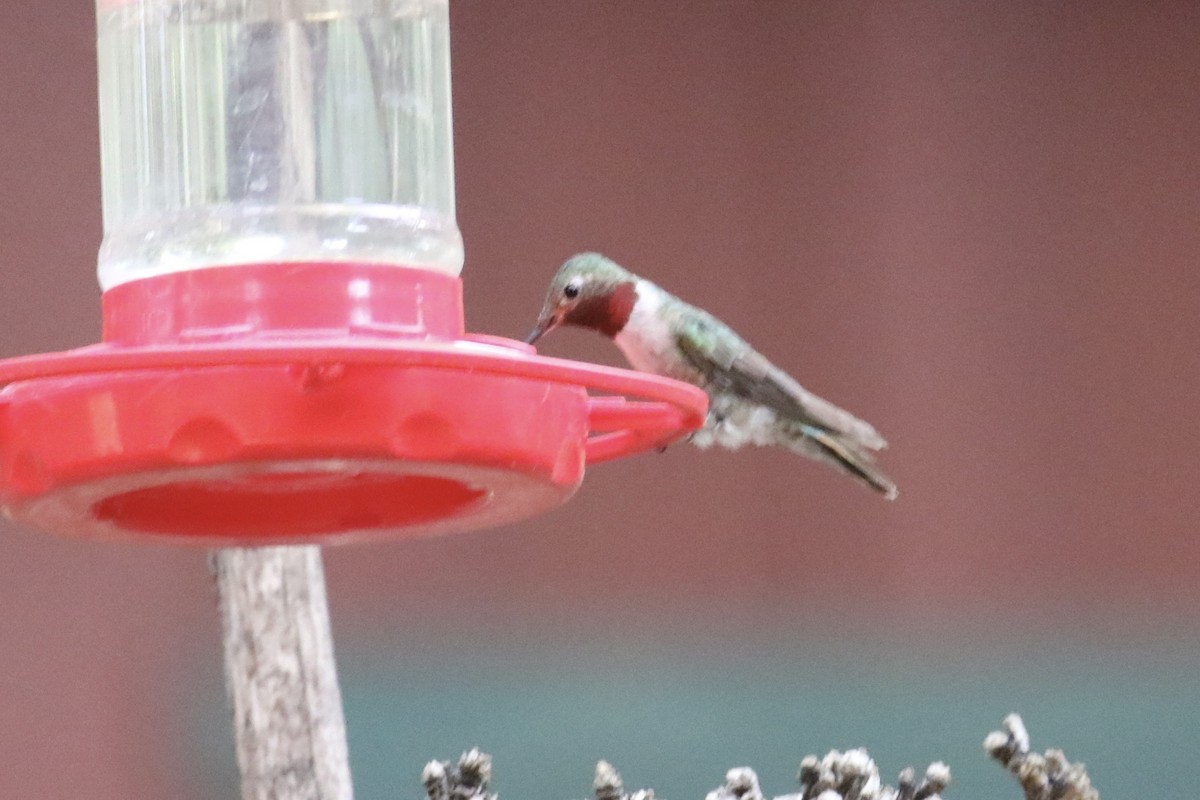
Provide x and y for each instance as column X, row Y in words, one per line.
column 804, row 406
column 848, row 427
column 849, row 458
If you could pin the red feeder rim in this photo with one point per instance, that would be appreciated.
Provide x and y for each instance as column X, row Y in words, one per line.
column 271, row 404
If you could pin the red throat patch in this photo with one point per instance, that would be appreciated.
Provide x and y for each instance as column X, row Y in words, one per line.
column 607, row 312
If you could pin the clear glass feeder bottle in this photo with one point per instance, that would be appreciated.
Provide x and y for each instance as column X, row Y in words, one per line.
column 270, row 131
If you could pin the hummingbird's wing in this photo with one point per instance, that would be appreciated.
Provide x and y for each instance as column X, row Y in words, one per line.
column 729, row 364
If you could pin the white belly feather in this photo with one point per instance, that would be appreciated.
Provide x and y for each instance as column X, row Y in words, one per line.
column 733, row 423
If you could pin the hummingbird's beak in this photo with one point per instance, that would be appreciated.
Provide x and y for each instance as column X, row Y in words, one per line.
column 545, row 324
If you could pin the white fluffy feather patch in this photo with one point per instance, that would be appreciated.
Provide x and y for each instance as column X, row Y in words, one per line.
column 733, row 423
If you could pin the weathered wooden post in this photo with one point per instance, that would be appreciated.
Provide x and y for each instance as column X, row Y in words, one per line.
column 281, row 675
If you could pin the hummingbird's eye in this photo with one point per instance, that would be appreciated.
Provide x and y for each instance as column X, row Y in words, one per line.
column 571, row 291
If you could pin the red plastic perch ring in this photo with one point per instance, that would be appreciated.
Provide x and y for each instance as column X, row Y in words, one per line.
column 283, row 403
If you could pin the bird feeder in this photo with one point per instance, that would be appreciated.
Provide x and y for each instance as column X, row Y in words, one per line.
column 283, row 357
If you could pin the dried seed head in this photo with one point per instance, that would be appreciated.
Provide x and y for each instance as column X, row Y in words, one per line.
column 938, row 775
column 607, row 784
column 435, row 780
column 1016, row 728
column 475, row 769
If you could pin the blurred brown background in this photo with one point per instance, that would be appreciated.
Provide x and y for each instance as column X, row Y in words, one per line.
column 976, row 226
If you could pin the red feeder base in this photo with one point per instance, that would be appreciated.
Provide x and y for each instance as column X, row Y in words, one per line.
column 274, row 404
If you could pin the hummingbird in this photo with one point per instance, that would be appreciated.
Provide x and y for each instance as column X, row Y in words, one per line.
column 751, row 401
